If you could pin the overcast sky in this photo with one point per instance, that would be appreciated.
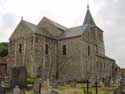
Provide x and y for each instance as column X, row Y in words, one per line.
column 109, row 15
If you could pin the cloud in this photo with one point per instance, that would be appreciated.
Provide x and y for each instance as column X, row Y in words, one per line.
column 7, row 22
column 3, row 2
column 111, row 18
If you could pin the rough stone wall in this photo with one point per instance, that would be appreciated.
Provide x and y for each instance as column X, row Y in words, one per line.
column 24, row 38
column 95, row 36
column 69, row 64
column 3, row 65
column 116, row 72
column 104, row 69
column 46, row 62
column 79, row 63
column 100, row 67
column 76, row 64
column 100, row 42
column 88, row 60
column 90, row 51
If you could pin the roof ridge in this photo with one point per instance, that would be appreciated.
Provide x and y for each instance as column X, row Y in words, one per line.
column 78, row 26
column 30, row 25
column 29, row 22
column 55, row 23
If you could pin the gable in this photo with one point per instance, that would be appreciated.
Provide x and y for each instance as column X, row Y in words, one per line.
column 52, row 27
column 46, row 20
column 21, row 31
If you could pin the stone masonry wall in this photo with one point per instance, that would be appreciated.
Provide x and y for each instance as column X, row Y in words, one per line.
column 24, row 58
column 46, row 62
column 104, row 67
column 76, row 64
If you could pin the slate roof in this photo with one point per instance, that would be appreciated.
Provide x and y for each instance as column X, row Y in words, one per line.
column 55, row 23
column 71, row 32
column 102, row 56
column 38, row 30
column 31, row 26
column 88, row 18
column 68, row 32
column 75, row 31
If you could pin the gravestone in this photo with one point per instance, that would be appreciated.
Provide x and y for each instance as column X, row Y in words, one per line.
column 2, row 91
column 19, row 77
column 120, row 89
column 16, row 90
column 47, row 88
column 37, row 86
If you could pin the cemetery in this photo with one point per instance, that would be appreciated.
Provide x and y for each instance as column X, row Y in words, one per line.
column 35, row 85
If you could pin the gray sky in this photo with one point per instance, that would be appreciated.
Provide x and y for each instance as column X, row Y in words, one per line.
column 109, row 15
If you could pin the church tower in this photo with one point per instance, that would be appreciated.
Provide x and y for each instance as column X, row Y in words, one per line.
column 95, row 33
column 88, row 18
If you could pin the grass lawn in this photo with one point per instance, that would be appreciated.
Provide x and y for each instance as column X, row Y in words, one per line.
column 73, row 90
column 82, row 90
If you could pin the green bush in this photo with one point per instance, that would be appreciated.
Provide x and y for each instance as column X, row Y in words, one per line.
column 3, row 49
column 31, row 79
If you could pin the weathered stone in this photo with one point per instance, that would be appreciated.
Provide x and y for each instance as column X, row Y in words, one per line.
column 16, row 90
column 37, row 86
column 19, row 77
column 53, row 51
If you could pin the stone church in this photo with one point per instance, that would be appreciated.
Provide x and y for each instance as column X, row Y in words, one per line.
column 57, row 52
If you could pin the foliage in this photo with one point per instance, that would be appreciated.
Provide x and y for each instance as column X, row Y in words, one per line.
column 3, row 49
column 31, row 79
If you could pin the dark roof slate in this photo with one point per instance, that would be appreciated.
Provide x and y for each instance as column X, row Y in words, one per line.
column 38, row 30
column 71, row 32
column 31, row 26
column 88, row 18
column 54, row 23
column 68, row 32
column 75, row 31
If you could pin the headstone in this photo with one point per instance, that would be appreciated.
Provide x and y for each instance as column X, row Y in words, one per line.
column 37, row 86
column 120, row 89
column 18, row 77
column 2, row 90
column 16, row 90
column 47, row 87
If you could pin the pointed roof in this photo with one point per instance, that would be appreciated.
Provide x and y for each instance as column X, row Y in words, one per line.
column 35, row 29
column 31, row 26
column 54, row 23
column 88, row 18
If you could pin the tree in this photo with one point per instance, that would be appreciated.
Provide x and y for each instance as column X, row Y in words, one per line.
column 3, row 49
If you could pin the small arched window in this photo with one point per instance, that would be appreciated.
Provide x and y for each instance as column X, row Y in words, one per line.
column 46, row 49
column 20, row 48
column 89, row 50
column 64, row 50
